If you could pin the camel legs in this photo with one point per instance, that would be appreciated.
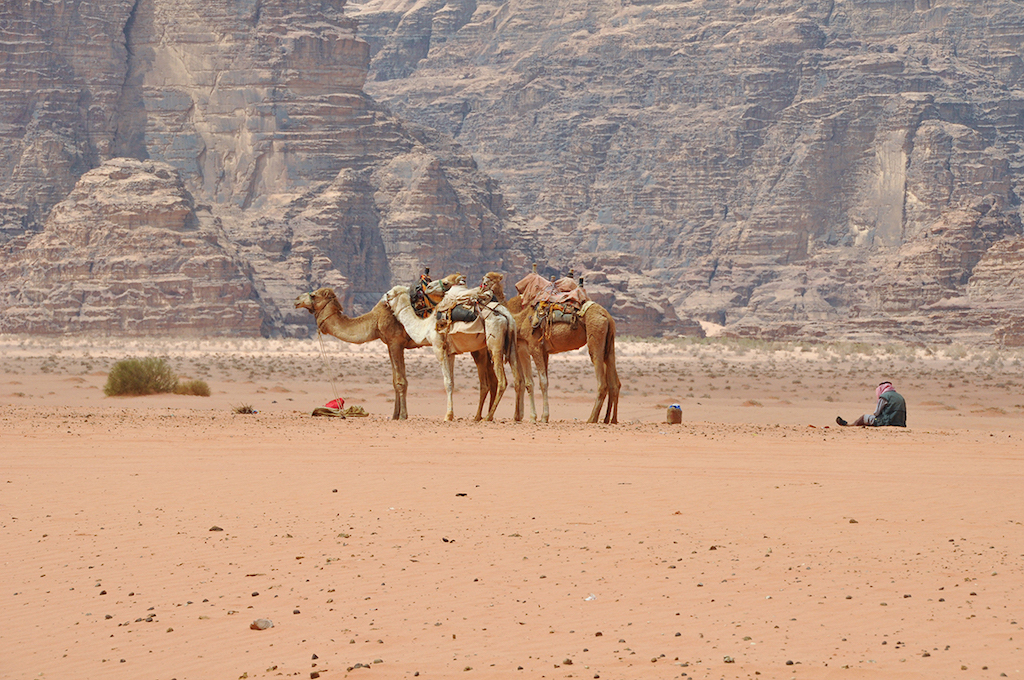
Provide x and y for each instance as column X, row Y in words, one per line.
column 614, row 385
column 488, row 381
column 524, row 381
column 448, row 370
column 608, row 384
column 495, row 348
column 540, row 358
column 490, row 371
column 397, row 354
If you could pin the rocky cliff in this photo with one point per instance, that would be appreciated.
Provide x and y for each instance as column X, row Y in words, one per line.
column 127, row 252
column 799, row 168
column 257, row 107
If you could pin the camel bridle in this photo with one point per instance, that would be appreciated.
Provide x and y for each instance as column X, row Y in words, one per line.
column 316, row 314
column 320, row 336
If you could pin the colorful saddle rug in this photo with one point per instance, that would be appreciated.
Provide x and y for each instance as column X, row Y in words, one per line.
column 421, row 302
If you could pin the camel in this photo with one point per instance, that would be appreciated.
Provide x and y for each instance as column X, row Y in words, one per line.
column 378, row 324
column 597, row 332
column 498, row 341
column 486, row 373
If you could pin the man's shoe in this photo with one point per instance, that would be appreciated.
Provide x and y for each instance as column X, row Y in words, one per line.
column 840, row 421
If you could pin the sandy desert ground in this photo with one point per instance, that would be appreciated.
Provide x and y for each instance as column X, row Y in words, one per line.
column 141, row 537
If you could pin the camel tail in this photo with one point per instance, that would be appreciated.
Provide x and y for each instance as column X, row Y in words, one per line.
column 512, row 344
column 612, row 374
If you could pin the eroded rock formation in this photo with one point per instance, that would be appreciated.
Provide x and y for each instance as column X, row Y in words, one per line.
column 798, row 168
column 258, row 106
column 126, row 252
column 804, row 168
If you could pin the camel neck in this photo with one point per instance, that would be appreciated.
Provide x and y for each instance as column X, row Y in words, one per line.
column 357, row 331
column 321, row 321
column 497, row 293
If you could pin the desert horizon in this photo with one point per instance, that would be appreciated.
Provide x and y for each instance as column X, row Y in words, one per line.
column 144, row 536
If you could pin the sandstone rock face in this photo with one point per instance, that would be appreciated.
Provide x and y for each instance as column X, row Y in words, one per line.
column 802, row 168
column 786, row 169
column 127, row 253
column 258, row 107
column 61, row 80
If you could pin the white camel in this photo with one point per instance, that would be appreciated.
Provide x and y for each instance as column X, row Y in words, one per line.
column 498, row 337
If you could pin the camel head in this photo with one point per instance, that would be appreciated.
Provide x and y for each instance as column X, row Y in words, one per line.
column 435, row 290
column 492, row 282
column 456, row 279
column 317, row 301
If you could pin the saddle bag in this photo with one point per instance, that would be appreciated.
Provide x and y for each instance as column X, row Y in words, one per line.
column 463, row 313
column 563, row 316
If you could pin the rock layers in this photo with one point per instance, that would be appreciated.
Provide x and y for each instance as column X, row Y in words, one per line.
column 803, row 168
column 793, row 169
column 258, row 107
column 127, row 253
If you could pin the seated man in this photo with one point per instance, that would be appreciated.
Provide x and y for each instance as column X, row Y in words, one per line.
column 891, row 409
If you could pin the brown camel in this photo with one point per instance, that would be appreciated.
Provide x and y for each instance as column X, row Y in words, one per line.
column 597, row 332
column 377, row 324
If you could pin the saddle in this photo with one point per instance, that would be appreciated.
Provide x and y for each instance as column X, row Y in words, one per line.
column 445, row 320
column 463, row 312
column 561, row 301
column 546, row 313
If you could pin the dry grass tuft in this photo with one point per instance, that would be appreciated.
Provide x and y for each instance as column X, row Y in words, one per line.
column 195, row 388
column 136, row 377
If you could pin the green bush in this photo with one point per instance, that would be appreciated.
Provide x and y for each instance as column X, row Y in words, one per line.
column 135, row 377
column 195, row 388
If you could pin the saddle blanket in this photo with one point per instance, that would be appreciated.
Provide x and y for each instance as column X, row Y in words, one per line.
column 535, row 288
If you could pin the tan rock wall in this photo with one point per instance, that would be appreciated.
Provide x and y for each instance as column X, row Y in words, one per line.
column 258, row 105
column 127, row 253
column 787, row 166
column 788, row 162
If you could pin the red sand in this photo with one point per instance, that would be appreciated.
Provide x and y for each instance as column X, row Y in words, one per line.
column 742, row 543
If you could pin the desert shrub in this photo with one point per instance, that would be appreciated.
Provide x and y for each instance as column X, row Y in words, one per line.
column 133, row 377
column 244, row 409
column 195, row 388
